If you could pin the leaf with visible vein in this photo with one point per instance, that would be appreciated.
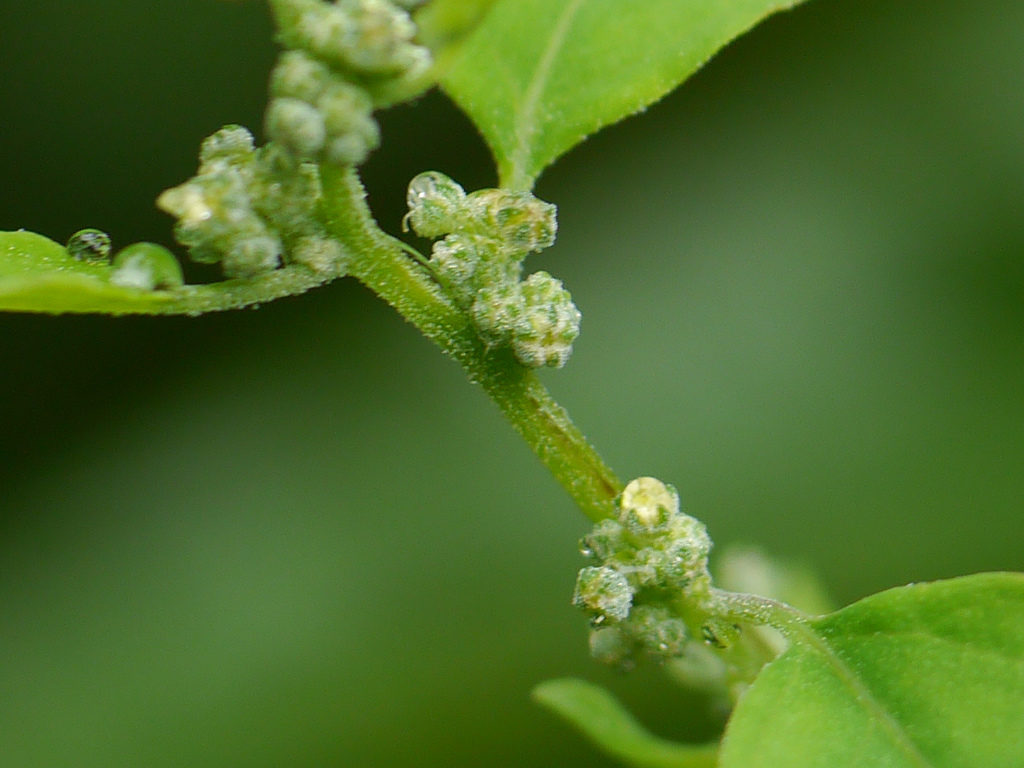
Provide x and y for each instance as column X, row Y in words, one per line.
column 923, row 676
column 539, row 76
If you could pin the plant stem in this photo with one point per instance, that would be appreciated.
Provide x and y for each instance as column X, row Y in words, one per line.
column 380, row 264
column 754, row 609
column 290, row 280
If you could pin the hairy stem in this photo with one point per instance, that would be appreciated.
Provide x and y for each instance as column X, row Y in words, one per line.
column 753, row 609
column 381, row 265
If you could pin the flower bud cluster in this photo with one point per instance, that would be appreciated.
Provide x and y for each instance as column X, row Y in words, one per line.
column 645, row 560
column 486, row 236
column 346, row 58
column 251, row 209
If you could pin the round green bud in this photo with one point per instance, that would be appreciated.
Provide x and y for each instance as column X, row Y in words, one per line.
column 352, row 148
column 603, row 591
column 299, row 76
column 610, row 645
column 405, row 85
column 658, row 631
column 297, row 126
column 435, row 203
column 518, row 219
column 548, row 325
column 252, row 256
column 146, row 266
column 457, row 258
column 604, row 542
column 325, row 30
column 381, row 37
column 89, row 245
column 345, row 109
column 321, row 254
column 646, row 505
column 497, row 311
column 232, row 145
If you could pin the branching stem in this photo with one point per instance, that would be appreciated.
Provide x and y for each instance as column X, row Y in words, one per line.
column 381, row 265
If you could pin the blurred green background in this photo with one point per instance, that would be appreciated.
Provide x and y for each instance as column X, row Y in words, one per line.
column 297, row 537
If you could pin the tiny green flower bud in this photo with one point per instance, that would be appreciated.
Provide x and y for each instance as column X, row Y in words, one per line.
column 435, row 204
column 352, row 148
column 658, row 631
column 518, row 219
column 604, row 542
column 89, row 245
column 321, row 254
column 610, row 645
column 146, row 266
column 231, row 145
column 459, row 260
column 646, row 505
column 297, row 126
column 497, row 311
column 604, row 591
column 549, row 324
column 345, row 109
column 299, row 76
column 252, row 256
column 381, row 38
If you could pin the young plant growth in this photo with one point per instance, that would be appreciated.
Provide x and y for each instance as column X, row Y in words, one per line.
column 922, row 675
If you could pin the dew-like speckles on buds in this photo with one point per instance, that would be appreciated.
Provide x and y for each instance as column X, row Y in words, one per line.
column 346, row 58
column 604, row 592
column 487, row 234
column 436, row 205
column 656, row 555
column 252, row 210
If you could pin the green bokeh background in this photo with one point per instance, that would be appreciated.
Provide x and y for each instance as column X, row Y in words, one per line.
column 297, row 537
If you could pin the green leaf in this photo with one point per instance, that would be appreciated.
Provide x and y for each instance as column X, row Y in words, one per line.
column 924, row 675
column 538, row 76
column 38, row 275
column 602, row 719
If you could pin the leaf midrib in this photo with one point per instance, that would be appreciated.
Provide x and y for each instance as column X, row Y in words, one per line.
column 862, row 694
column 527, row 112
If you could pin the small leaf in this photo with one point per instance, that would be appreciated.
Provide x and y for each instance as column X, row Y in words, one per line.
column 538, row 76
column 924, row 675
column 39, row 275
column 602, row 719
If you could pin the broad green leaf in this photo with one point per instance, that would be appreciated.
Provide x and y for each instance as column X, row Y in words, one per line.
column 539, row 76
column 38, row 275
column 924, row 675
column 602, row 719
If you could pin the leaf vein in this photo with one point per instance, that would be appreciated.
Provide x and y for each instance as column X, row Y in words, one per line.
column 863, row 696
column 527, row 112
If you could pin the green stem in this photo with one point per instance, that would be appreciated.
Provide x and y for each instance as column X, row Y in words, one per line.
column 754, row 609
column 236, row 294
column 381, row 265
